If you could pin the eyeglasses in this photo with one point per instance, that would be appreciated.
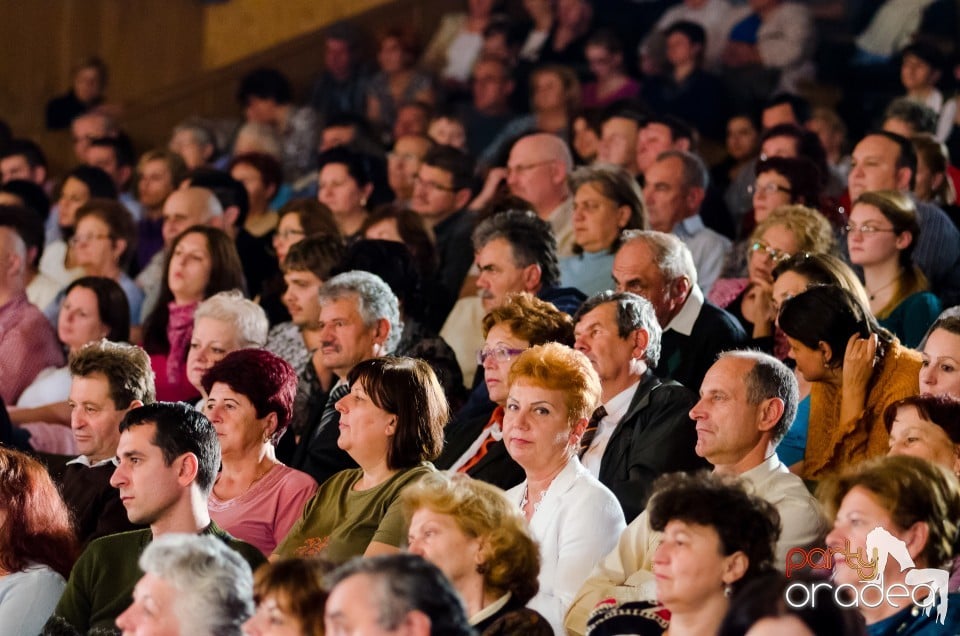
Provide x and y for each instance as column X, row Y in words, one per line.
column 87, row 238
column 431, row 185
column 768, row 189
column 523, row 167
column 500, row 353
column 866, row 230
column 777, row 256
column 286, row 235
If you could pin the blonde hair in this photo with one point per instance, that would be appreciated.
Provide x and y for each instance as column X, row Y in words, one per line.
column 810, row 229
column 511, row 560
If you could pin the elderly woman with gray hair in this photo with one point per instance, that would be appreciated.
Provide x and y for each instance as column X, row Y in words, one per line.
column 606, row 201
column 192, row 585
column 222, row 324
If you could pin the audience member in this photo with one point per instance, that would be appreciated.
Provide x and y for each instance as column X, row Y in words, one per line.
column 893, row 500
column 249, row 401
column 107, row 380
column 926, row 426
column 618, row 139
column 641, row 429
column 403, row 165
column 87, row 85
column 606, row 201
column 290, row 595
column 342, row 86
column 23, row 159
column 552, row 392
column 934, row 181
column 675, row 186
column 191, row 585
column 660, row 268
column 473, row 441
column 168, row 459
column 398, row 81
column 391, row 424
column 456, row 44
column 28, row 343
column 713, row 16
column 731, row 531
column 473, row 533
column 222, row 324
column 747, row 402
column 38, row 545
column 266, row 97
column 346, row 185
column 92, row 309
column 940, row 357
column 391, row 593
column 24, row 202
column 489, row 109
column 921, row 67
column 856, row 368
column 159, row 173
column 261, row 176
column 114, row 155
column 881, row 236
column 193, row 140
column 88, row 126
column 202, row 261
column 604, row 54
column 402, row 225
column 359, row 320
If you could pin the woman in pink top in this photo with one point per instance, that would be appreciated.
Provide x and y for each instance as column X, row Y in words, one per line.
column 249, row 401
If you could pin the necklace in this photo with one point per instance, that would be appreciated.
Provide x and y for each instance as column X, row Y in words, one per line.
column 872, row 295
column 536, row 503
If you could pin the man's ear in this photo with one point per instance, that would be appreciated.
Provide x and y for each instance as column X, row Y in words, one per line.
column 230, row 216
column 189, row 466
column 382, row 331
column 904, row 175
column 771, row 411
column 532, row 276
column 639, row 340
column 682, row 144
column 462, row 198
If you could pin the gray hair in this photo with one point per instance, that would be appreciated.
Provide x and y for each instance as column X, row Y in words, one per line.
column 531, row 240
column 200, row 133
column 264, row 136
column 375, row 301
column 694, row 172
column 770, row 378
column 214, row 583
column 246, row 316
column 633, row 312
column 671, row 255
column 920, row 117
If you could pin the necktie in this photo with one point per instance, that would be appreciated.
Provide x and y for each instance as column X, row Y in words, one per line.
column 591, row 430
column 495, row 418
column 330, row 413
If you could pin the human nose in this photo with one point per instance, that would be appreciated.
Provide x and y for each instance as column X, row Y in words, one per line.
column 252, row 626
column 125, row 620
column 414, row 546
column 696, row 413
column 119, row 477
column 928, row 376
column 341, row 404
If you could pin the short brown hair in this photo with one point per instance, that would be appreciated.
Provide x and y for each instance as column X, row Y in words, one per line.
column 116, row 217
column 557, row 367
column 511, row 560
column 531, row 319
column 407, row 388
column 126, row 367
column 318, row 254
column 315, row 217
column 297, row 585
column 912, row 490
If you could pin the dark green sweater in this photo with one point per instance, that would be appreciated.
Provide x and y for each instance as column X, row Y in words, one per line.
column 101, row 583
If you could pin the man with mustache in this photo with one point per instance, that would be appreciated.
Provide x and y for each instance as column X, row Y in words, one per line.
column 359, row 320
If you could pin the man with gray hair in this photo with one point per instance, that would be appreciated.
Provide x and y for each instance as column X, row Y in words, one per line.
column 359, row 320
column 675, row 188
column 191, row 585
column 641, row 429
column 395, row 594
column 747, row 402
column 659, row 267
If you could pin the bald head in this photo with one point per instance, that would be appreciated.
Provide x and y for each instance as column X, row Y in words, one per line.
column 537, row 171
column 187, row 207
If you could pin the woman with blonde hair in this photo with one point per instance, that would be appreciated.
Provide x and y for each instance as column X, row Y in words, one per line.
column 881, row 235
column 470, row 530
column 788, row 230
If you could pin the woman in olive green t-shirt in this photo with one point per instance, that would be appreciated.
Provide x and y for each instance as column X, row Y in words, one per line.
column 391, row 424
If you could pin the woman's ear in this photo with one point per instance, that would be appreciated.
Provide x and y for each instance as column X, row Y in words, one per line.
column 904, row 239
column 826, row 352
column 735, row 567
column 916, row 538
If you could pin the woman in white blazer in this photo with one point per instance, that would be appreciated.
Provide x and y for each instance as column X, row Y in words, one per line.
column 553, row 391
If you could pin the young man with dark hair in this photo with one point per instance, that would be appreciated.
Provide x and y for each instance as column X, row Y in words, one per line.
column 167, row 461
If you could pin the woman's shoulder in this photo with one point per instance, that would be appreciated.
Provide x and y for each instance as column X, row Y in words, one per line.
column 521, row 621
column 642, row 618
column 292, row 479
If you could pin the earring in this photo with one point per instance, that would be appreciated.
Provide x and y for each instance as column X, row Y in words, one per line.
column 728, row 590
column 363, row 202
column 481, row 568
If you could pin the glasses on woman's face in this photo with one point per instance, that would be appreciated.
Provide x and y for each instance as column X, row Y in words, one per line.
column 768, row 189
column 777, row 256
column 866, row 230
column 289, row 235
column 500, row 353
column 87, row 238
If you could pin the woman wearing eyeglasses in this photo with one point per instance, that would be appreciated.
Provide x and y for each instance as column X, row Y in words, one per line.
column 473, row 445
column 786, row 231
column 882, row 232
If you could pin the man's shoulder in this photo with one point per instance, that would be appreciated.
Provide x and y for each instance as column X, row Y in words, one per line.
column 118, row 546
column 716, row 320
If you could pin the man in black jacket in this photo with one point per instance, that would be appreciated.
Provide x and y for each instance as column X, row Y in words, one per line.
column 643, row 429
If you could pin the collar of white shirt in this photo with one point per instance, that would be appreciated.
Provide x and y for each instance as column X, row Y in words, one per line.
column 688, row 314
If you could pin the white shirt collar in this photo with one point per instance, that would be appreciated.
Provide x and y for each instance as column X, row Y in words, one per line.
column 688, row 314
column 84, row 460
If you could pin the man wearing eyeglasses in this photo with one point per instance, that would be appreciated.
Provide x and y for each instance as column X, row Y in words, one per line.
column 887, row 161
column 441, row 191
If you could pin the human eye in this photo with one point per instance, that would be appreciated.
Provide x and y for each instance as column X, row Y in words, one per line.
column 194, row 344
column 89, row 409
column 542, row 410
column 219, row 350
column 949, row 368
column 512, row 406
